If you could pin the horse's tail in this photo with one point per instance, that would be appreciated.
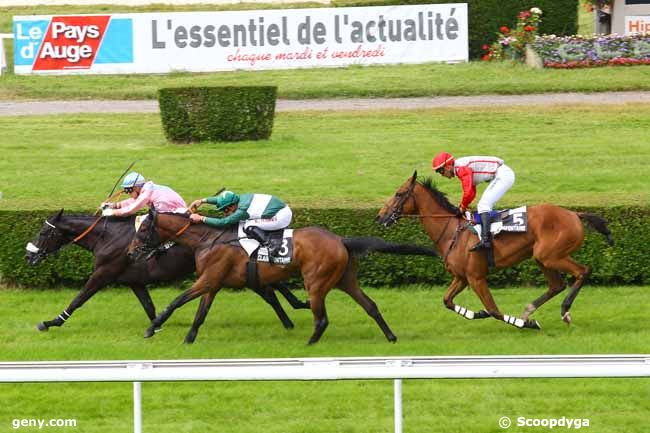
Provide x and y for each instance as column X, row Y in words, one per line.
column 364, row 245
column 598, row 223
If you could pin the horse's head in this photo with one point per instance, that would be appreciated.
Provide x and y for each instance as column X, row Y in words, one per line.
column 146, row 239
column 50, row 239
column 402, row 203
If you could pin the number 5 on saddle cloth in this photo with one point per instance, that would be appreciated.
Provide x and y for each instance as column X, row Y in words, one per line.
column 509, row 220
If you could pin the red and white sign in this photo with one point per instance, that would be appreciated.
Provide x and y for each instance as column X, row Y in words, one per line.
column 71, row 42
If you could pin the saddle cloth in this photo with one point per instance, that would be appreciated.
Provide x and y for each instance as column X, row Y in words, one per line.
column 283, row 255
column 508, row 220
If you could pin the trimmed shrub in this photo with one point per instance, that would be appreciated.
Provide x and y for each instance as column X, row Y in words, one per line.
column 192, row 114
column 560, row 17
column 624, row 263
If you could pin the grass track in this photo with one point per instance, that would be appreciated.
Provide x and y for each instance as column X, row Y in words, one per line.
column 565, row 155
column 240, row 325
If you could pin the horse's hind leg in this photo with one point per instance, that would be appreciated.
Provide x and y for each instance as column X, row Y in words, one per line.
column 555, row 285
column 199, row 318
column 457, row 286
column 579, row 271
column 350, row 285
column 481, row 289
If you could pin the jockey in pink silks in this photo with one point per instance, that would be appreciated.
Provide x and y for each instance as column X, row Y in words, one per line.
column 144, row 194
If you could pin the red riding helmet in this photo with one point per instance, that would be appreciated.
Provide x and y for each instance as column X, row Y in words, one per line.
column 442, row 159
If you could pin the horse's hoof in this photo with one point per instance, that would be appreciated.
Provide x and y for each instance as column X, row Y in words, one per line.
column 567, row 318
column 188, row 341
column 392, row 339
column 42, row 327
column 534, row 324
column 150, row 332
column 288, row 325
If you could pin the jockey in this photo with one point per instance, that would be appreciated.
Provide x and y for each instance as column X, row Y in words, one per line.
column 472, row 170
column 262, row 213
column 144, row 194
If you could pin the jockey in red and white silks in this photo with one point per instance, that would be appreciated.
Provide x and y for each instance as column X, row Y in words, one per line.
column 472, row 170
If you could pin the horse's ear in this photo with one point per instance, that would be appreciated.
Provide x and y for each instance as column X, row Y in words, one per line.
column 59, row 215
column 414, row 177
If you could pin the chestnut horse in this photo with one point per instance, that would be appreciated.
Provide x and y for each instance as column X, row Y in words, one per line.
column 324, row 260
column 553, row 234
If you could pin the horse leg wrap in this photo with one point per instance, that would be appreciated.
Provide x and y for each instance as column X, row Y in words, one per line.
column 514, row 321
column 60, row 320
column 468, row 314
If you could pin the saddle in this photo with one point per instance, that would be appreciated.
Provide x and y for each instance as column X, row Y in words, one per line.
column 283, row 255
column 507, row 220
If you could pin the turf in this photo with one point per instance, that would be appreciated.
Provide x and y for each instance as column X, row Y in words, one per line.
column 240, row 325
column 564, row 155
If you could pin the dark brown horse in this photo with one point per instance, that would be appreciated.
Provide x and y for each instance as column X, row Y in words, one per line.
column 554, row 233
column 324, row 260
column 108, row 243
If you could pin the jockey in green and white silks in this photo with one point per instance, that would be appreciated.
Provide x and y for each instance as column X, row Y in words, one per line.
column 261, row 213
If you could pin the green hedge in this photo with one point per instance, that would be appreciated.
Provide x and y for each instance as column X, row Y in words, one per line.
column 625, row 263
column 560, row 17
column 217, row 113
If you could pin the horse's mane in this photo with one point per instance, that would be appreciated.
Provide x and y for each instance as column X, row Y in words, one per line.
column 439, row 196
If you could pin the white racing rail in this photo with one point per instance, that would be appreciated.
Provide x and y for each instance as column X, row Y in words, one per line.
column 396, row 368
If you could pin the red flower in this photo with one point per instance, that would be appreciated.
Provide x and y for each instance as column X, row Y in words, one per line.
column 485, row 47
column 486, row 57
column 504, row 29
column 529, row 28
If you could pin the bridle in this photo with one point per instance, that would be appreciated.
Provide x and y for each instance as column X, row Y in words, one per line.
column 399, row 209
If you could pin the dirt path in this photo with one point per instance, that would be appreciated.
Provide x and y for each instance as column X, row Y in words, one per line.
column 19, row 108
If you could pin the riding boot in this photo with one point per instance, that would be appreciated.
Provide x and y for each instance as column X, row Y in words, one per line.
column 486, row 235
column 263, row 237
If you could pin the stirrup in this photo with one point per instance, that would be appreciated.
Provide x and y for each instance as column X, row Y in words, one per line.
column 482, row 245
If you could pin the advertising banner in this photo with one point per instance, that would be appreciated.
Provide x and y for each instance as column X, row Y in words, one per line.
column 240, row 40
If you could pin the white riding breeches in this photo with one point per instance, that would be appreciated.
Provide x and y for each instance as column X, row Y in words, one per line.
column 503, row 180
column 280, row 220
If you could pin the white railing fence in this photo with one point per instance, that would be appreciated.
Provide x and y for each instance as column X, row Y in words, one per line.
column 396, row 368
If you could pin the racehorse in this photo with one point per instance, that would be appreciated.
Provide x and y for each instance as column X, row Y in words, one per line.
column 324, row 259
column 112, row 265
column 553, row 234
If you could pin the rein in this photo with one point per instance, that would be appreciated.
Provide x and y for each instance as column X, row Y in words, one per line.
column 182, row 229
column 85, row 232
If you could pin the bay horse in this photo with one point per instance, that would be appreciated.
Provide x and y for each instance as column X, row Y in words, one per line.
column 324, row 259
column 554, row 233
column 111, row 265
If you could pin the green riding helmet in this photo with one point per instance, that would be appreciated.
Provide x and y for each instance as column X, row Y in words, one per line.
column 226, row 199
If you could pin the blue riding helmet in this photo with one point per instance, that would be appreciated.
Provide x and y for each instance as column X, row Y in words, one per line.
column 132, row 179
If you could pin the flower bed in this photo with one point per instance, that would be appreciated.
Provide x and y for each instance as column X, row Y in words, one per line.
column 599, row 50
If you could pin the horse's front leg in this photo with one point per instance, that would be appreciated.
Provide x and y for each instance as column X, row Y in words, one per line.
column 201, row 313
column 199, row 287
column 457, row 286
column 292, row 299
column 99, row 278
column 481, row 289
